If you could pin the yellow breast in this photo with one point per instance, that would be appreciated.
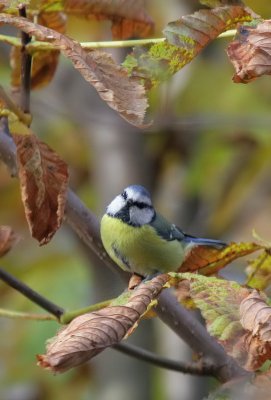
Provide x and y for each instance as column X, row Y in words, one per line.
column 139, row 249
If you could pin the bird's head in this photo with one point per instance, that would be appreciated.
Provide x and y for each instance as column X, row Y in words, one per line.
column 133, row 206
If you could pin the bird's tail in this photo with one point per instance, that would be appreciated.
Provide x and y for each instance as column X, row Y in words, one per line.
column 205, row 242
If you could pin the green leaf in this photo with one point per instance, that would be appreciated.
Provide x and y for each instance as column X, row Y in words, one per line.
column 218, row 300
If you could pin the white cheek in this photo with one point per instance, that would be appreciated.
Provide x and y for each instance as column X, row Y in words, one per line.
column 116, row 205
column 140, row 216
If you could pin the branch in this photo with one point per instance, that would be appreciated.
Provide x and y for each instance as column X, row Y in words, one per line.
column 37, row 45
column 68, row 316
column 194, row 368
column 7, row 147
column 180, row 320
column 31, row 294
column 25, row 66
column 26, row 316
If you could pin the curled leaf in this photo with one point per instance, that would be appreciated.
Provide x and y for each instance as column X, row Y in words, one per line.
column 256, row 315
column 89, row 334
column 256, row 320
column 43, row 180
column 208, row 260
column 250, row 53
column 8, row 238
column 122, row 93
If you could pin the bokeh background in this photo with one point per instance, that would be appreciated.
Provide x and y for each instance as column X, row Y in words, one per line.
column 206, row 160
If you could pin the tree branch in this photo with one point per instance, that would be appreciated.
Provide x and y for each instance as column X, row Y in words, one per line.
column 25, row 66
column 31, row 294
column 7, row 148
column 194, row 368
column 180, row 320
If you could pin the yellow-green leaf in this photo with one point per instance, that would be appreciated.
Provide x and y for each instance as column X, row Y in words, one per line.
column 208, row 260
column 259, row 271
column 185, row 38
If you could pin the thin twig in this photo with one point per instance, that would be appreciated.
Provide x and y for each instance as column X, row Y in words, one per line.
column 31, row 294
column 37, row 45
column 25, row 66
column 68, row 316
column 194, row 368
column 26, row 316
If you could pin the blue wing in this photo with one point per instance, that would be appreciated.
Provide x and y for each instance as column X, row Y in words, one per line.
column 171, row 232
column 204, row 242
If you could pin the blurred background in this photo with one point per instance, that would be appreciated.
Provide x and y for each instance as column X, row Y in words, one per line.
column 206, row 160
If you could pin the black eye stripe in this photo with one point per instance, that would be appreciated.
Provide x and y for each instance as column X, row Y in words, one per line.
column 124, row 195
column 140, row 205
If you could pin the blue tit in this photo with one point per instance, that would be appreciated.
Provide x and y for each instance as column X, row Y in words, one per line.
column 140, row 240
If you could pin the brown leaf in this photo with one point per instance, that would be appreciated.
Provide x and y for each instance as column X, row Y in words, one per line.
column 208, row 260
column 129, row 18
column 122, row 93
column 43, row 180
column 44, row 63
column 256, row 320
column 250, row 53
column 89, row 334
column 8, row 238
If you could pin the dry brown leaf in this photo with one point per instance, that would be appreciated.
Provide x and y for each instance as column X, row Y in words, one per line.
column 44, row 63
column 250, row 53
column 122, row 93
column 8, row 238
column 129, row 18
column 256, row 320
column 43, row 180
column 89, row 334
column 208, row 260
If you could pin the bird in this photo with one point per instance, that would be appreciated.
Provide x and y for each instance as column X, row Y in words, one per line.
column 140, row 240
